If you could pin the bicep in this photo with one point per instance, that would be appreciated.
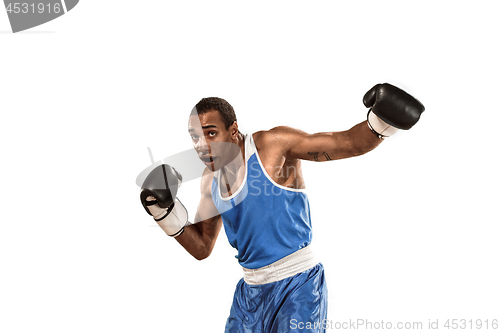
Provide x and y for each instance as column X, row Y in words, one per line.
column 318, row 147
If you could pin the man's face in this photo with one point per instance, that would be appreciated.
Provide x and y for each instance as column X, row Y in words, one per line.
column 211, row 140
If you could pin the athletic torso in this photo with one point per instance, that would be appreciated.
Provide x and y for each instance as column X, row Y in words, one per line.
column 263, row 204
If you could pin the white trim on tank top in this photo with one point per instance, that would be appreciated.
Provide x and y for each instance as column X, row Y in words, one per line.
column 218, row 175
column 250, row 149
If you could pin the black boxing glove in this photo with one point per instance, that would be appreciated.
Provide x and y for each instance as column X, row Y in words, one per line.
column 391, row 109
column 158, row 197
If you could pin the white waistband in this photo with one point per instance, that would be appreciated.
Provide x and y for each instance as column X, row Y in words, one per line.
column 290, row 265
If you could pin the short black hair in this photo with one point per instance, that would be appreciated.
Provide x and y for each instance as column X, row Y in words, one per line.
column 220, row 105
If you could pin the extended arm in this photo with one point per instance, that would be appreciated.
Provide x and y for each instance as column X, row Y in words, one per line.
column 325, row 146
column 390, row 109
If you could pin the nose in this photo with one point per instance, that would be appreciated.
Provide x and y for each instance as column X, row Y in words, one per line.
column 201, row 145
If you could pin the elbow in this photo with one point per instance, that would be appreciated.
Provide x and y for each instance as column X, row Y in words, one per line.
column 202, row 255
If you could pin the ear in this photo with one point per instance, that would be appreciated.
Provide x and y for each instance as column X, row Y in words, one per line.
column 234, row 130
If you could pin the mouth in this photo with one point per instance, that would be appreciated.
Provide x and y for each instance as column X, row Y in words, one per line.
column 208, row 160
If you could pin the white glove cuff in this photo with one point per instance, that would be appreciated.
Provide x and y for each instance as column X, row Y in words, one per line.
column 380, row 127
column 175, row 222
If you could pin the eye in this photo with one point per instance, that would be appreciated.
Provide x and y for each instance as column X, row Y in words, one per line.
column 194, row 137
column 212, row 133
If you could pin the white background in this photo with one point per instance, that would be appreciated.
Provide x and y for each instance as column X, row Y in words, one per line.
column 408, row 232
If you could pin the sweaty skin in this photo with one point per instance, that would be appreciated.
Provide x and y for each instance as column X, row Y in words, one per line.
column 281, row 150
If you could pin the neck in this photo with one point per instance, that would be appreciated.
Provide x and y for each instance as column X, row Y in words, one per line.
column 238, row 163
column 241, row 143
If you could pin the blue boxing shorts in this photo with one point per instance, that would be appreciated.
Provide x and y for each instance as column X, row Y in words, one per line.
column 294, row 304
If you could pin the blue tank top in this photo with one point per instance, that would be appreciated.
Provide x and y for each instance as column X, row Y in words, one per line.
column 264, row 221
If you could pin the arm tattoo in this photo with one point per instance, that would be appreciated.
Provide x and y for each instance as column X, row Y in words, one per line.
column 327, row 156
column 315, row 155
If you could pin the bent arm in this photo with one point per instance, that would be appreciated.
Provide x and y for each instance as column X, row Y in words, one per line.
column 326, row 146
column 199, row 238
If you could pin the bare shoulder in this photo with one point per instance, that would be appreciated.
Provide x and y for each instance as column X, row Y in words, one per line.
column 279, row 131
column 282, row 137
column 265, row 140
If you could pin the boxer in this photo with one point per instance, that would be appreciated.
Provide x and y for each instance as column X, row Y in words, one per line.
column 253, row 185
